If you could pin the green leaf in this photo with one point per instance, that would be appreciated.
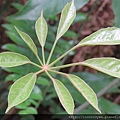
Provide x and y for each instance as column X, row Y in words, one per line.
column 36, row 94
column 15, row 48
column 67, row 16
column 24, row 104
column 70, row 34
column 80, row 17
column 64, row 96
column 27, row 39
column 116, row 10
column 108, row 107
column 85, row 90
column 21, row 90
column 11, row 59
column 34, row 102
column 105, row 36
column 28, row 110
column 43, row 81
column 110, row 66
column 17, row 5
column 41, row 29
column 12, row 77
column 15, row 38
column 32, row 9
column 96, row 80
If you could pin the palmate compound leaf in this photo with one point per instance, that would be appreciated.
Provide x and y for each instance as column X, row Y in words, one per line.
column 27, row 39
column 67, row 16
column 110, row 66
column 21, row 90
column 41, row 29
column 11, row 59
column 64, row 96
column 104, row 36
column 85, row 90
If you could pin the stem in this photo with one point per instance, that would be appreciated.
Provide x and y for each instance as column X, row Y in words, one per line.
column 46, row 90
column 51, row 51
column 64, row 55
column 49, row 76
column 67, row 65
column 39, row 60
column 99, row 94
column 43, row 55
column 39, row 72
column 57, row 72
column 35, row 64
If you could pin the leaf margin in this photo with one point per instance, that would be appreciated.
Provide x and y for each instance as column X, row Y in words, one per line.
column 11, row 106
column 32, row 45
column 41, row 22
column 27, row 59
column 72, row 101
column 62, row 18
column 70, row 79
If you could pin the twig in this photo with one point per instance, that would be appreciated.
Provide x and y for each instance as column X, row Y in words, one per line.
column 100, row 9
column 99, row 94
column 117, row 100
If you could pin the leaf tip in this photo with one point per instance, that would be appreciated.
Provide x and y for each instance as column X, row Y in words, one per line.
column 41, row 14
column 99, row 111
column 8, row 108
column 15, row 27
column 72, row 1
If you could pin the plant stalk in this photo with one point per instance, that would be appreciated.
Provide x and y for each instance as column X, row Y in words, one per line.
column 67, row 65
column 49, row 76
column 39, row 60
column 64, row 55
column 35, row 64
column 51, row 51
column 57, row 72
column 43, row 55
column 39, row 72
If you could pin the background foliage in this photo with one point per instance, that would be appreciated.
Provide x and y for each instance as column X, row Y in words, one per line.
column 43, row 96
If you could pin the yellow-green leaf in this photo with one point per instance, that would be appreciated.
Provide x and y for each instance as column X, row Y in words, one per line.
column 11, row 59
column 85, row 90
column 67, row 16
column 21, row 90
column 104, row 36
column 41, row 29
column 64, row 96
column 110, row 66
column 27, row 39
